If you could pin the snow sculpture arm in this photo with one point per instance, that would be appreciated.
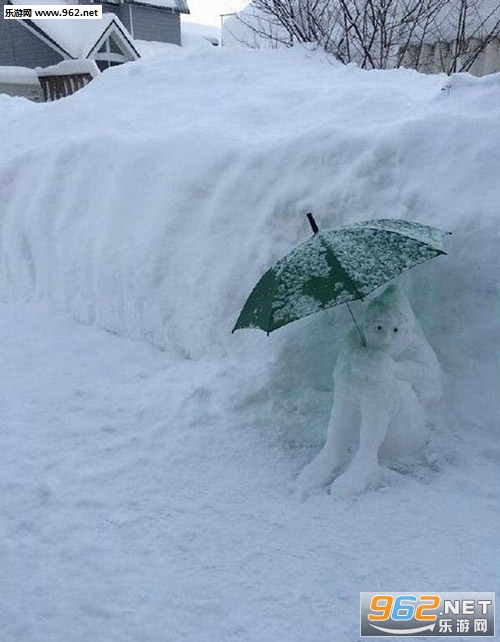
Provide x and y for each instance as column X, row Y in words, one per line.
column 419, row 366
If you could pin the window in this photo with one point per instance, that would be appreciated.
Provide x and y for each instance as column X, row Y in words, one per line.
column 111, row 53
column 113, row 46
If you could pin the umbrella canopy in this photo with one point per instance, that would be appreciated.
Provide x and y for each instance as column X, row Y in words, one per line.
column 337, row 266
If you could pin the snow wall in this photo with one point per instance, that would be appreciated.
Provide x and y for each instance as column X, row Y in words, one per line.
column 150, row 203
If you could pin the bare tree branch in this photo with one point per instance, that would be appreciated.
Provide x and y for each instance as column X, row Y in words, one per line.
column 430, row 35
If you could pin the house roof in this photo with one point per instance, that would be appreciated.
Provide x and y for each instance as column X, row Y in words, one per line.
column 76, row 38
column 180, row 6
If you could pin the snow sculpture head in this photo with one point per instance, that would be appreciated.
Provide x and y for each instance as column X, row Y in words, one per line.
column 388, row 321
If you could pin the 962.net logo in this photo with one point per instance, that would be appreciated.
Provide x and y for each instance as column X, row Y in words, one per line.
column 457, row 614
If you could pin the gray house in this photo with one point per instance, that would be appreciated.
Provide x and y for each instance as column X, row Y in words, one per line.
column 110, row 41
column 157, row 20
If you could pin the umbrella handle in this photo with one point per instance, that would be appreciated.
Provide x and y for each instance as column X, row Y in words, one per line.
column 312, row 223
column 360, row 332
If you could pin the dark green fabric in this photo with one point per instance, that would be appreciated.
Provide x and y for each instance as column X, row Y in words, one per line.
column 336, row 266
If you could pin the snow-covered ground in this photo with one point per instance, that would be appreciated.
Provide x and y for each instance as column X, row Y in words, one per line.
column 144, row 500
column 146, row 471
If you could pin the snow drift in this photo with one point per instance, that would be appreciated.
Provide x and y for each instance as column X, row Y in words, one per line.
column 151, row 202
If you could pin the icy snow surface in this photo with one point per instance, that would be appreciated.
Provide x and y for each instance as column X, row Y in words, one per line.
column 145, row 494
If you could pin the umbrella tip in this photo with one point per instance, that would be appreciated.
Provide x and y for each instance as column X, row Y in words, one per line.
column 312, row 223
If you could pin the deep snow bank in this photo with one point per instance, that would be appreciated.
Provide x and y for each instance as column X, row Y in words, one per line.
column 150, row 203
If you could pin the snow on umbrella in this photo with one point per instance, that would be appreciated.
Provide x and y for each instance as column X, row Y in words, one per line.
column 336, row 266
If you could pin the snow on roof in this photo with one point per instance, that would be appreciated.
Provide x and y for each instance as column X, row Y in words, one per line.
column 66, row 67
column 76, row 37
column 177, row 5
column 18, row 75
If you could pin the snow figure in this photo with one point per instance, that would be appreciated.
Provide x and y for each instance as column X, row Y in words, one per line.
column 383, row 394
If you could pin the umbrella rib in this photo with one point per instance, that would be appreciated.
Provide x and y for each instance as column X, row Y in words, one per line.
column 392, row 233
column 412, row 238
column 430, row 242
column 438, row 253
column 275, row 287
column 360, row 333
column 332, row 257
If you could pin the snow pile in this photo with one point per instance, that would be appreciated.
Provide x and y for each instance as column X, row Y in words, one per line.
column 154, row 485
column 157, row 223
column 192, row 39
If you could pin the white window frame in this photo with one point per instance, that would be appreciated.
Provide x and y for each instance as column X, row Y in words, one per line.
column 108, row 55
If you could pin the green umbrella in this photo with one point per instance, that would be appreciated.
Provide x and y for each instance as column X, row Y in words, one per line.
column 336, row 266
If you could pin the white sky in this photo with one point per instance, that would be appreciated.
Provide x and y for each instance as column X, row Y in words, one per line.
column 208, row 11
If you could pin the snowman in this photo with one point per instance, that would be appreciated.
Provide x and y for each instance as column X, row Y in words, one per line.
column 384, row 393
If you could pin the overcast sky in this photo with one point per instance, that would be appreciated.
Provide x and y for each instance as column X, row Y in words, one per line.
column 208, row 11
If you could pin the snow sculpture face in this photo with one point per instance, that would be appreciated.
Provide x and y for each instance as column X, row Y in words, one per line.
column 385, row 332
column 388, row 322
